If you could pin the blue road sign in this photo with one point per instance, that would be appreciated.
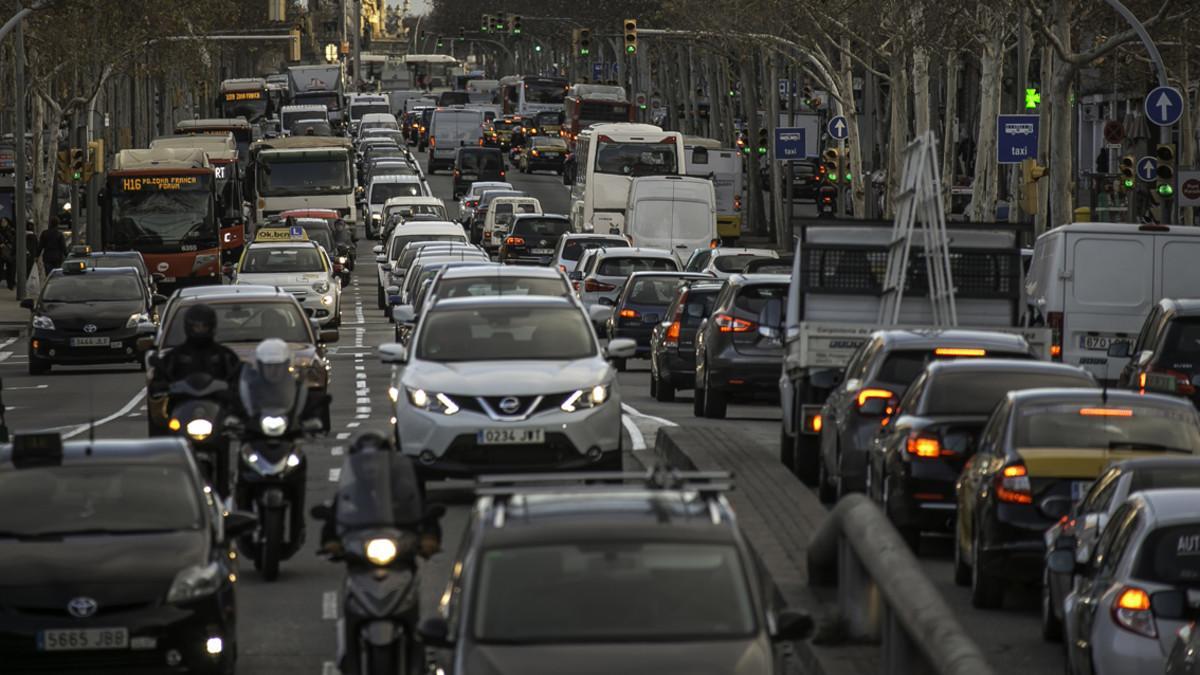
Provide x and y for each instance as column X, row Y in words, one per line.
column 1016, row 138
column 838, row 128
column 1147, row 169
column 790, row 143
column 598, row 69
column 1164, row 106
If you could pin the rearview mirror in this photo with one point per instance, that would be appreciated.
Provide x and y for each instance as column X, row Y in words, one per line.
column 329, row 335
column 321, row 511
column 825, row 379
column 393, row 352
column 1061, row 561
column 621, row 348
column 1119, row 349
column 575, row 276
column 158, row 299
column 403, row 314
column 1175, row 604
column 873, row 407
column 27, row 303
column 434, row 631
column 239, row 523
column 377, row 250
column 1056, row 507
column 599, row 313
column 792, row 625
column 145, row 344
column 607, row 302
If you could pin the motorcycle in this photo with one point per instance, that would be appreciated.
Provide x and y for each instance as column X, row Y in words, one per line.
column 271, row 466
column 377, row 631
column 196, row 409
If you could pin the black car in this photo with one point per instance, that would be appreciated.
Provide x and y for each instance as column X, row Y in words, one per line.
column 532, row 238
column 643, row 576
column 642, row 304
column 107, row 259
column 673, row 340
column 807, row 178
column 544, row 153
column 86, row 315
column 739, row 347
column 125, row 565
column 1166, row 355
column 472, row 164
column 915, row 461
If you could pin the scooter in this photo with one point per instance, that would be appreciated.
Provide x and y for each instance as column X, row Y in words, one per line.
column 196, row 410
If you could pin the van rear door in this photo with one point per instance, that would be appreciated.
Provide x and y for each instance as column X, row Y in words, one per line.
column 1109, row 287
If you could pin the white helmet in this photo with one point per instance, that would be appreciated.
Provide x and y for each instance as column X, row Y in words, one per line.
column 273, row 359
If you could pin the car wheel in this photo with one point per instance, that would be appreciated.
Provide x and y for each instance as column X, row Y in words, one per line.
column 804, row 454
column 1051, row 624
column 962, row 571
column 787, row 448
column 664, row 391
column 38, row 366
column 380, row 300
column 987, row 592
column 698, row 399
column 714, row 401
column 825, row 491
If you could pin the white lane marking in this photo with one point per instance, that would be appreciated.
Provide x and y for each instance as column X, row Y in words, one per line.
column 4, row 356
column 334, row 475
column 363, row 400
column 363, row 417
column 7, row 342
column 353, row 425
column 343, row 435
column 36, row 386
column 329, row 605
column 635, row 434
column 360, row 376
column 329, row 668
column 361, row 410
column 337, row 451
column 634, row 411
column 358, row 367
column 105, row 420
column 134, row 414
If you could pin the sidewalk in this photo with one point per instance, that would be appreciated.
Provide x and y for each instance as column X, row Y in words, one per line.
column 779, row 516
column 14, row 319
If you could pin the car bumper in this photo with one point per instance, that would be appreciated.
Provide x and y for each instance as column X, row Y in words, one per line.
column 923, row 497
column 544, row 164
column 679, row 367
column 447, row 445
column 162, row 639
column 1013, row 544
column 638, row 333
column 734, row 372
column 322, row 312
column 55, row 346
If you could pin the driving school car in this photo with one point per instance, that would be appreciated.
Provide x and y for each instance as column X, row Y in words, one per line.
column 286, row 258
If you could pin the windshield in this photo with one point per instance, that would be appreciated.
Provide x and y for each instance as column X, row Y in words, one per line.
column 549, row 144
column 251, row 105
column 329, row 99
column 476, row 160
column 283, row 175
column 410, row 210
column 93, row 288
column 612, row 592
column 272, row 260
column 481, row 285
column 247, row 322
column 149, row 211
column 635, row 159
column 400, row 241
column 97, row 498
column 541, row 227
column 357, row 111
column 975, row 393
column 506, row 333
column 381, row 192
column 545, row 91
column 574, row 248
column 1128, row 426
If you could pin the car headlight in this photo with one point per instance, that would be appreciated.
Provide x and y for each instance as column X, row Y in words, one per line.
column 341, row 259
column 44, row 322
column 430, row 402
column 321, row 287
column 272, row 425
column 380, row 551
column 586, row 398
column 135, row 319
column 199, row 429
column 195, row 582
column 376, row 216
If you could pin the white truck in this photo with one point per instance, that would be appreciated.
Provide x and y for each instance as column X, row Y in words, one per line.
column 302, row 172
column 833, row 305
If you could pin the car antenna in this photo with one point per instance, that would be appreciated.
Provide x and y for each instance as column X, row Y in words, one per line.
column 1104, row 393
column 91, row 420
column 3, row 421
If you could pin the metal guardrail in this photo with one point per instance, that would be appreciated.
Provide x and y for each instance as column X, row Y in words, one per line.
column 884, row 596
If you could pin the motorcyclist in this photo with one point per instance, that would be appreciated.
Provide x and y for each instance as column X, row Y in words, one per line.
column 199, row 353
column 273, row 365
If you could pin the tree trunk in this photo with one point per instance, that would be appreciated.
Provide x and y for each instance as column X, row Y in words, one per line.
column 950, row 129
column 898, row 135
column 983, row 189
column 858, row 194
column 754, row 191
column 1062, row 168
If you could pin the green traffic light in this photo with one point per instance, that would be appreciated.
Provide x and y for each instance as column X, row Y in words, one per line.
column 762, row 150
column 537, row 48
column 585, row 51
column 1128, row 184
column 439, row 44
column 1166, row 190
column 849, row 177
column 77, row 175
column 630, row 49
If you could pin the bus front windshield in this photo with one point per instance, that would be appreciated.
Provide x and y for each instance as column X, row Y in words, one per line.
column 635, row 158
column 545, row 91
column 156, row 211
column 285, row 175
column 251, row 105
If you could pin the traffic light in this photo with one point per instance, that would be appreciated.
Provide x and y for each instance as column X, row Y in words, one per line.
column 1128, row 172
column 486, row 23
column 294, row 44
column 95, row 159
column 64, row 166
column 439, row 42
column 1166, row 169
column 514, row 24
column 585, row 41
column 832, row 160
column 462, row 34
column 630, row 36
column 762, row 141
column 500, row 22
column 77, row 161
column 1031, row 173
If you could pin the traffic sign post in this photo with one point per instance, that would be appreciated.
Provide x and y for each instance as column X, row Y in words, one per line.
column 1189, row 188
column 838, row 128
column 1164, row 106
column 791, row 143
column 1147, row 169
column 1016, row 138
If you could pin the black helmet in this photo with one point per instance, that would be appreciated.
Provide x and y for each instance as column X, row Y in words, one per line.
column 369, row 442
column 199, row 324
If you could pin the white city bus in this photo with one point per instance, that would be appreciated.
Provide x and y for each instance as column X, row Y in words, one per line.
column 432, row 72
column 607, row 159
column 529, row 94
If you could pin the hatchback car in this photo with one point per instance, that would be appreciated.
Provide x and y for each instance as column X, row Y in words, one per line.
column 1166, row 355
column 476, row 164
column 606, row 270
column 673, row 340
column 301, row 268
column 470, row 199
column 572, row 245
column 1038, row 456
column 739, row 348
column 387, row 255
column 499, row 216
column 531, row 238
column 725, row 261
column 641, row 305
column 644, row 577
column 504, row 384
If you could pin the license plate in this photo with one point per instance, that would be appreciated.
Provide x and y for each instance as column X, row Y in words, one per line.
column 1079, row 488
column 511, row 436
column 168, row 280
column 83, row 639
column 551, row 155
column 542, row 251
column 1099, row 342
column 89, row 342
column 469, row 176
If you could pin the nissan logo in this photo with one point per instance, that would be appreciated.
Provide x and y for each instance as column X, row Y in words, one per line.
column 510, row 405
column 89, row 328
column 81, row 607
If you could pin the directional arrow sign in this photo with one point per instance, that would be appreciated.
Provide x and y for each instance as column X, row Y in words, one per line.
column 1147, row 169
column 1164, row 106
column 838, row 128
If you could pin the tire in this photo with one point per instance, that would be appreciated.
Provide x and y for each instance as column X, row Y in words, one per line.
column 38, row 366
column 787, row 449
column 1052, row 627
column 825, row 490
column 664, row 391
column 653, row 386
column 714, row 401
column 962, row 571
column 698, row 400
column 271, row 543
column 380, row 300
column 804, row 456
column 382, row 660
column 987, row 592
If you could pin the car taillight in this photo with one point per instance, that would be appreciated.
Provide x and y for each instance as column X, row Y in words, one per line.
column 1055, row 321
column 502, row 173
column 534, row 153
column 737, row 202
column 925, row 445
column 593, row 286
column 457, row 173
column 1012, row 485
column 514, row 241
column 865, row 395
column 1131, row 611
column 628, row 314
column 672, row 336
column 731, row 324
column 432, row 141
column 714, row 243
column 1181, row 385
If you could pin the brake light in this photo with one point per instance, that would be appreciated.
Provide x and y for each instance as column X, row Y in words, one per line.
column 731, row 324
column 1131, row 611
column 534, row 153
column 593, row 286
column 457, row 173
column 816, row 423
column 959, row 351
column 1106, row 412
column 514, row 241
column 502, row 173
column 672, row 336
column 1012, row 485
column 628, row 314
column 1182, row 381
column 737, row 202
column 432, row 141
column 865, row 395
column 924, row 445
column 1055, row 321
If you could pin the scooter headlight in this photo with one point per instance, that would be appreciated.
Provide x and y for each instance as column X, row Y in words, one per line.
column 381, row 551
column 199, row 429
column 272, row 425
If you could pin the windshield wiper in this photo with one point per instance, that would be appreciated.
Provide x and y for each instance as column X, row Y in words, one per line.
column 83, row 532
column 1138, row 445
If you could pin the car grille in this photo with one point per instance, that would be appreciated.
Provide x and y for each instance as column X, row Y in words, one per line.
column 527, row 405
column 61, row 611
column 557, row 450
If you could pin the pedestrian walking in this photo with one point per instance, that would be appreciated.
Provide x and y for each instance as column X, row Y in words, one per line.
column 8, row 253
column 52, row 246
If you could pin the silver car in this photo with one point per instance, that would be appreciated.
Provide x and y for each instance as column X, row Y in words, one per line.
column 506, row 384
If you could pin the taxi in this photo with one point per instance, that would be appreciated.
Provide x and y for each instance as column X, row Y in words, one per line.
column 287, row 258
column 499, row 133
column 87, row 315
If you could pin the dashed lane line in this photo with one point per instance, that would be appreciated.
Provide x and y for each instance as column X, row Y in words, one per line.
column 329, row 605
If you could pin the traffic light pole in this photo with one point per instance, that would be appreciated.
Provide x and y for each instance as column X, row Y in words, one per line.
column 19, row 157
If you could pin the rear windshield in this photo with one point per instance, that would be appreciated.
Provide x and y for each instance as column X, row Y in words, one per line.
column 480, row 161
column 734, row 263
column 653, row 291
column 400, row 241
column 753, row 299
column 975, row 393
column 698, row 306
column 481, row 285
column 1114, row 426
column 1155, row 478
column 1171, row 555
column 623, row 267
column 769, row 266
column 542, row 227
column 381, row 192
column 904, row 365
column 573, row 249
column 1181, row 348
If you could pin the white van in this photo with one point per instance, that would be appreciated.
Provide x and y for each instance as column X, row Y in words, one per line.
column 290, row 114
column 677, row 213
column 707, row 158
column 500, row 216
column 450, row 129
column 1093, row 284
column 376, row 120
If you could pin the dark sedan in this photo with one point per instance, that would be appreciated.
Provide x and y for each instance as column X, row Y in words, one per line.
column 641, row 305
column 532, row 238
column 673, row 340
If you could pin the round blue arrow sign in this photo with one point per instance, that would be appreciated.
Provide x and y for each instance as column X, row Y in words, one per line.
column 1147, row 169
column 838, row 128
column 1164, row 106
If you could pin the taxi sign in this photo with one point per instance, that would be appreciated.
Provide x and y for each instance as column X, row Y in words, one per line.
column 294, row 233
column 37, row 449
column 74, row 267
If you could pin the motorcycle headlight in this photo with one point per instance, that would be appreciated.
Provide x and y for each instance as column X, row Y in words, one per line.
column 342, row 259
column 195, row 582
column 327, row 300
column 44, row 322
column 380, row 551
column 135, row 319
column 321, row 287
column 376, row 216
column 431, row 402
column 272, row 425
column 199, row 429
column 586, row 398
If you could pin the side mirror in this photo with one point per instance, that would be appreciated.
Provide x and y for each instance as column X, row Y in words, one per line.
column 393, row 352
column 791, row 625
column 239, row 523
column 434, row 631
column 825, row 379
column 329, row 336
column 145, row 343
column 575, row 276
column 1056, row 507
column 381, row 259
column 158, row 277
column 27, row 303
column 621, row 348
column 1062, row 561
column 1175, row 605
column 227, row 270
column 392, row 290
column 152, row 360
column 321, row 511
column 377, row 250
column 599, row 313
column 312, row 425
column 588, row 227
column 873, row 407
column 403, row 314
column 607, row 302
column 1119, row 349
column 158, row 299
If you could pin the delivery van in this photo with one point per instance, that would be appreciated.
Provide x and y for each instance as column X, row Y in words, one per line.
column 676, row 213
